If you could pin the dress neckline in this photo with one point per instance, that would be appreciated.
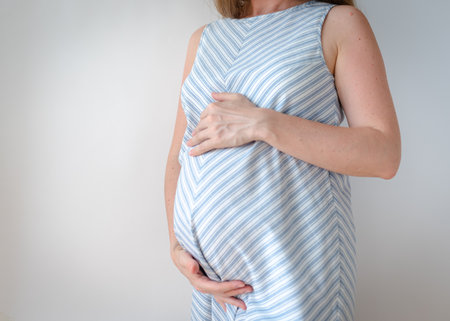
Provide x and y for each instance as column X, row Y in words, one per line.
column 275, row 13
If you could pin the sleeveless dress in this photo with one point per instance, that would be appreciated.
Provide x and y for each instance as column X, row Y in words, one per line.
column 252, row 212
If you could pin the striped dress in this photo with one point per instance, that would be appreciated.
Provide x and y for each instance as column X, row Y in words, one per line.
column 252, row 212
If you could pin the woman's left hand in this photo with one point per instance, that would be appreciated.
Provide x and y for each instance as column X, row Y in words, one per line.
column 230, row 121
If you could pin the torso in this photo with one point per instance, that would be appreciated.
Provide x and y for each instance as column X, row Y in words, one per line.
column 252, row 212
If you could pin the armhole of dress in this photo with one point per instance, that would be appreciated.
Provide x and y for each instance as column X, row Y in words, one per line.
column 339, row 112
column 319, row 32
column 197, row 53
column 199, row 49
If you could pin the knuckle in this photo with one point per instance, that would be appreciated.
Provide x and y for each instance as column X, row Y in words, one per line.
column 214, row 118
column 211, row 142
column 215, row 128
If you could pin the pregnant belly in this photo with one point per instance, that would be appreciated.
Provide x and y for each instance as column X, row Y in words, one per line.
column 230, row 204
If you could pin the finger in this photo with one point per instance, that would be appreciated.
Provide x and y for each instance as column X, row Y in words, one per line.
column 194, row 267
column 246, row 289
column 191, row 266
column 234, row 301
column 221, row 96
column 200, row 126
column 199, row 137
column 206, row 285
column 203, row 147
column 204, row 113
column 221, row 302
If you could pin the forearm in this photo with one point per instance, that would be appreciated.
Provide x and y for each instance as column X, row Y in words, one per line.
column 360, row 151
column 170, row 185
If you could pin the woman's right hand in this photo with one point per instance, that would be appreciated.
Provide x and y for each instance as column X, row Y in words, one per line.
column 223, row 292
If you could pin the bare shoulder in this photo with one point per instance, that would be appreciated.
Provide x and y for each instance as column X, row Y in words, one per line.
column 198, row 32
column 194, row 41
column 343, row 25
column 346, row 11
column 196, row 35
column 346, row 23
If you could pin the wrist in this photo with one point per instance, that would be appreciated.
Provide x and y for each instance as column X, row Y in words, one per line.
column 173, row 252
column 262, row 126
column 173, row 245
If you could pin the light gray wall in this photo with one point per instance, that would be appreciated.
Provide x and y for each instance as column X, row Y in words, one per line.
column 403, row 224
column 88, row 96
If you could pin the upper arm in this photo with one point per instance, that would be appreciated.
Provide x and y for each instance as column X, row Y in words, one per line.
column 360, row 75
column 180, row 122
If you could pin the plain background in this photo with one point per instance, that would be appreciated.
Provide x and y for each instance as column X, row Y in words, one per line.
column 88, row 98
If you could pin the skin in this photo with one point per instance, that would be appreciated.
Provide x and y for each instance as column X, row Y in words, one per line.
column 369, row 147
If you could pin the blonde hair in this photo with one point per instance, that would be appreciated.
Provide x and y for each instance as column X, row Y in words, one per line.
column 232, row 9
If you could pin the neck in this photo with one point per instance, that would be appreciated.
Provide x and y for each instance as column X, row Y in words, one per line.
column 259, row 7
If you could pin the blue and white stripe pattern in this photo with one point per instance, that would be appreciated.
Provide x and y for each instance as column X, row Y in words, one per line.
column 252, row 212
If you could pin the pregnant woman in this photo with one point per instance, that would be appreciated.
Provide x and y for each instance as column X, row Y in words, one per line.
column 257, row 185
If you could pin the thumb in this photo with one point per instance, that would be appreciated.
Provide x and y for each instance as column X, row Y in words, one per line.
column 220, row 96
column 194, row 267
